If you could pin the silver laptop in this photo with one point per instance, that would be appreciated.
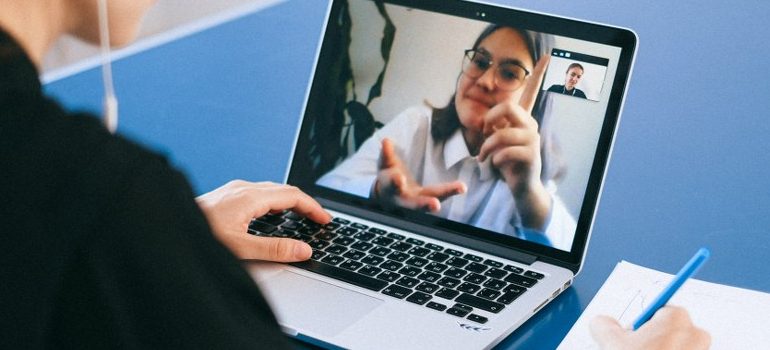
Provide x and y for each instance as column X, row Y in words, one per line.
column 463, row 176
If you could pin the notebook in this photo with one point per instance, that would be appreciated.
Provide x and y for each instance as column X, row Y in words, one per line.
column 462, row 175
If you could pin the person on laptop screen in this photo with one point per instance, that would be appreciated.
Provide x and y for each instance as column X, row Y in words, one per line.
column 479, row 160
column 572, row 78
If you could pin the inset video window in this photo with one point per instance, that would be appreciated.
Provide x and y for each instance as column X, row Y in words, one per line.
column 575, row 74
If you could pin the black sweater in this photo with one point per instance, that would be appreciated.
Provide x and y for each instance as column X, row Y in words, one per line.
column 101, row 242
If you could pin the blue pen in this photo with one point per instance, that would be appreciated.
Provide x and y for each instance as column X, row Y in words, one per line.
column 688, row 270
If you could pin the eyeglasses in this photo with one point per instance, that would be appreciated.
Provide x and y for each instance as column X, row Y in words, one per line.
column 509, row 76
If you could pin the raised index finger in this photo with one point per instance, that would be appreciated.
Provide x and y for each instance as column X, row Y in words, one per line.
column 532, row 88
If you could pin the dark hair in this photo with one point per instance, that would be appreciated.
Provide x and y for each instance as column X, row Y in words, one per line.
column 445, row 121
column 575, row 65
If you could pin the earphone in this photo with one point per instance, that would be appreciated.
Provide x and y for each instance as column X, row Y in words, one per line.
column 110, row 101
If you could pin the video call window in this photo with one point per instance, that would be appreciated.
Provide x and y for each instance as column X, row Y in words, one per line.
column 575, row 74
column 428, row 91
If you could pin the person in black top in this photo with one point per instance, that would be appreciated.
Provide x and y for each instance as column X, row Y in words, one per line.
column 102, row 243
column 572, row 78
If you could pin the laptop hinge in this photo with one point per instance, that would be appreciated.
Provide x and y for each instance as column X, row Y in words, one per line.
column 475, row 244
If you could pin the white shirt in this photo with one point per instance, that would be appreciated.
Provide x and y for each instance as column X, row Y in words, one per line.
column 487, row 204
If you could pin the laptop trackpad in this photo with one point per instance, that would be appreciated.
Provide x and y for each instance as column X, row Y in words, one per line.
column 309, row 305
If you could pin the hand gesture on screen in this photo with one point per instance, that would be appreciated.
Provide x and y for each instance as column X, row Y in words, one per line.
column 669, row 328
column 396, row 185
column 512, row 142
column 230, row 208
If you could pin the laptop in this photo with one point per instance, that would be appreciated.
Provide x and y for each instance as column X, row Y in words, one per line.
column 433, row 245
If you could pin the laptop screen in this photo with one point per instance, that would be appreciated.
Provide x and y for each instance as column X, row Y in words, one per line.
column 488, row 122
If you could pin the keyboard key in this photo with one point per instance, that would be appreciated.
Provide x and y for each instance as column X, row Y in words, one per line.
column 364, row 236
column 342, row 274
column 490, row 294
column 389, row 276
column 378, row 231
column 391, row 265
column 317, row 255
column 457, row 262
column 354, row 254
column 521, row 280
column 436, row 306
column 434, row 246
column 318, row 244
column 480, row 303
column 359, row 226
column 291, row 225
column 475, row 278
column 455, row 272
column 398, row 256
column 418, row 262
column 435, row 267
column 508, row 298
column 325, row 235
column 382, row 241
column 426, row 287
column 332, row 226
column 396, row 291
column 447, row 293
column 370, row 271
column 408, row 282
column 453, row 252
column 468, row 288
column 419, row 251
column 410, row 271
column 341, row 221
column 429, row 276
column 347, row 231
column 437, row 257
column 513, row 269
column 493, row 263
column 342, row 240
column 351, row 265
column 476, row 267
column 512, row 288
column 457, row 312
column 380, row 251
column 449, row 282
column 401, row 246
column 419, row 298
column 396, row 236
column 372, row 260
column 336, row 249
column 333, row 259
column 534, row 275
column 495, row 273
column 477, row 318
column 474, row 258
column 272, row 219
column 362, row 246
column 495, row 284
column 259, row 226
column 414, row 241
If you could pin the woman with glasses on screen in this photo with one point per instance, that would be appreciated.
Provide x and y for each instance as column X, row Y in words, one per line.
column 485, row 159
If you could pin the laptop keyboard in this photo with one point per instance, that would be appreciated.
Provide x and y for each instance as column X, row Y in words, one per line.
column 443, row 279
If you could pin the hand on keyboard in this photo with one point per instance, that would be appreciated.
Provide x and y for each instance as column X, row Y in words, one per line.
column 230, row 208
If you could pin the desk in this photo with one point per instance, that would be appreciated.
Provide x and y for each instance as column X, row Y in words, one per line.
column 689, row 169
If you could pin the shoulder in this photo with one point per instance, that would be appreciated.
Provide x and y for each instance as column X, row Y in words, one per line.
column 580, row 93
column 556, row 88
column 413, row 120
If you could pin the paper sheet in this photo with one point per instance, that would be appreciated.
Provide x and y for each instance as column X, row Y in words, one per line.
column 736, row 318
